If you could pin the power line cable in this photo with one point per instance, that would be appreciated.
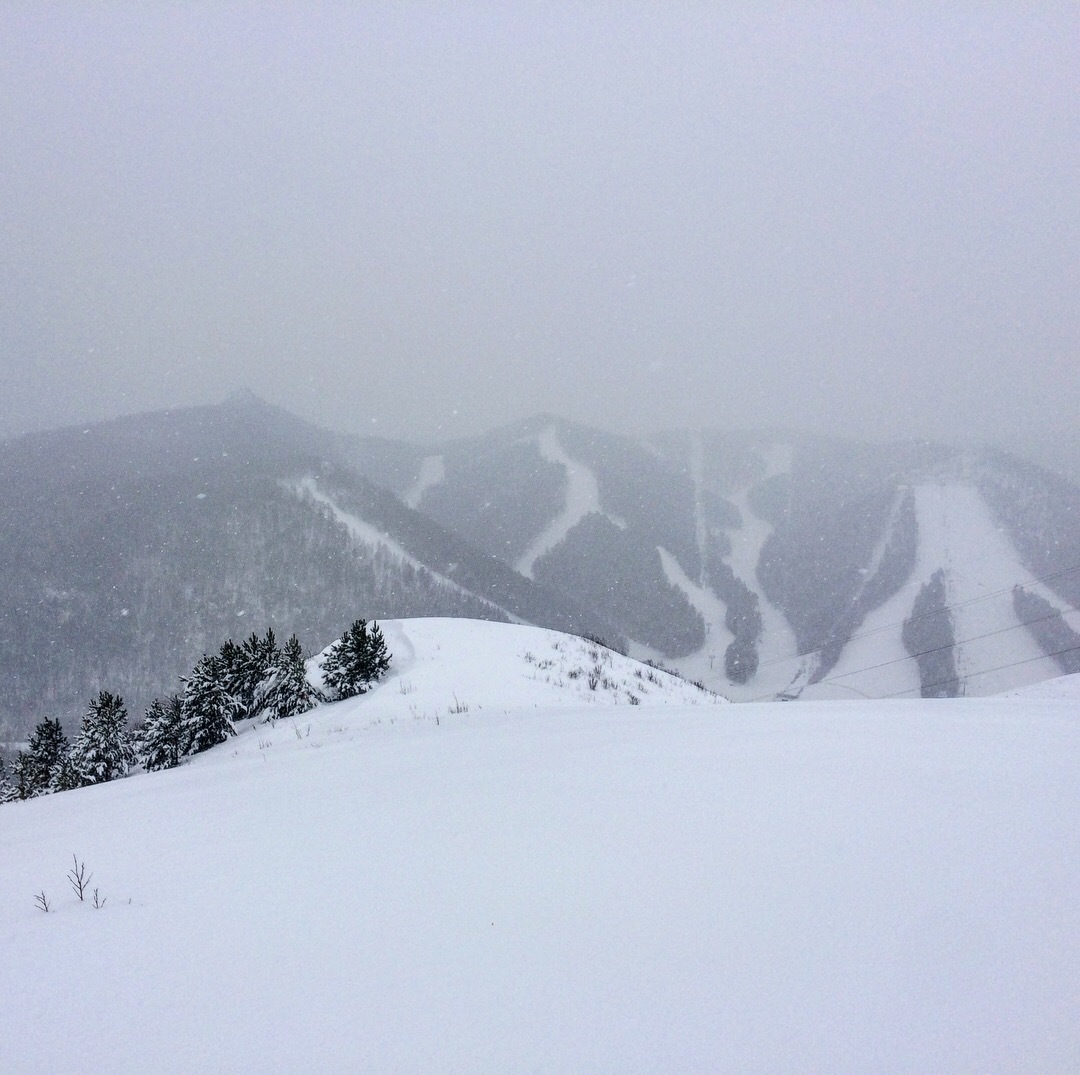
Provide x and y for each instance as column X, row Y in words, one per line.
column 942, row 649
column 984, row 672
column 914, row 619
column 1057, row 613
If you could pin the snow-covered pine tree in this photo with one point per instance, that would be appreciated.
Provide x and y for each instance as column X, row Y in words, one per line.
column 21, row 778
column 206, row 707
column 161, row 743
column 355, row 660
column 7, row 789
column 378, row 656
column 229, row 657
column 245, row 668
column 66, row 775
column 48, row 746
column 102, row 750
column 285, row 691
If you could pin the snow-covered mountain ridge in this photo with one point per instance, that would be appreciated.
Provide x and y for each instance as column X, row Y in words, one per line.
column 776, row 566
column 475, row 868
column 764, row 564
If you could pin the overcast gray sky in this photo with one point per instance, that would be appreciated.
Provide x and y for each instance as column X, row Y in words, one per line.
column 429, row 219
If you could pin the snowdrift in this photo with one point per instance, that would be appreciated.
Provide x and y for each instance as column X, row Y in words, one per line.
column 487, row 865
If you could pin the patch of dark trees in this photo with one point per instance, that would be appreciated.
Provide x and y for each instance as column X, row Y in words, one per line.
column 1056, row 638
column 251, row 680
column 929, row 637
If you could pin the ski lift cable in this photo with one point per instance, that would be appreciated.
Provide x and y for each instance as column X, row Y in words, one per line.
column 940, row 649
column 941, row 683
column 984, row 672
column 922, row 615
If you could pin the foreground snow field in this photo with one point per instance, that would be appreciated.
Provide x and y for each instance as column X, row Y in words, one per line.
column 485, row 865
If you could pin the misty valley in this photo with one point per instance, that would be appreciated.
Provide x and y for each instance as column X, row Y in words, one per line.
column 765, row 566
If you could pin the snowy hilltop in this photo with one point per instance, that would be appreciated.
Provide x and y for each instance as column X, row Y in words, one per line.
column 496, row 860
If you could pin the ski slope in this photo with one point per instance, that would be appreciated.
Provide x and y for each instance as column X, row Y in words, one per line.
column 781, row 668
column 481, row 866
column 367, row 534
column 582, row 498
column 993, row 650
column 432, row 473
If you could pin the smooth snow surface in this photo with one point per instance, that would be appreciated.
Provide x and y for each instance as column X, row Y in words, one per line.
column 1061, row 689
column 541, row 881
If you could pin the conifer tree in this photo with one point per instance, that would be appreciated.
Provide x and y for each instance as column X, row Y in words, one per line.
column 7, row 789
column 21, row 779
column 48, row 746
column 286, row 691
column 66, row 775
column 245, row 669
column 102, row 750
column 161, row 743
column 206, row 707
column 355, row 660
column 229, row 658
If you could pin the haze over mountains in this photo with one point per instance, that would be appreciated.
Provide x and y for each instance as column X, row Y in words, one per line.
column 764, row 564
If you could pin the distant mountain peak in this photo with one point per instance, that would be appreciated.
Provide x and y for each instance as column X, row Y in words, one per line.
column 245, row 399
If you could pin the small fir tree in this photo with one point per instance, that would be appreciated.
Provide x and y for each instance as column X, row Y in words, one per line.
column 102, row 750
column 48, row 746
column 286, row 691
column 355, row 660
column 21, row 777
column 206, row 707
column 66, row 776
column 161, row 742
column 7, row 789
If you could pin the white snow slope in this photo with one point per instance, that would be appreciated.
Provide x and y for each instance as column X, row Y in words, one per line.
column 582, row 498
column 993, row 650
column 545, row 882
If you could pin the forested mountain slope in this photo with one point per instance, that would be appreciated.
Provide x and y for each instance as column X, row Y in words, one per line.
column 770, row 564
column 765, row 564
column 132, row 548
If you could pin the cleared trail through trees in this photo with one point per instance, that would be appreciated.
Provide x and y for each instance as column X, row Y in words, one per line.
column 582, row 498
column 779, row 669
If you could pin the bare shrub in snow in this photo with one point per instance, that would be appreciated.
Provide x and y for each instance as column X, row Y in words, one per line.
column 78, row 877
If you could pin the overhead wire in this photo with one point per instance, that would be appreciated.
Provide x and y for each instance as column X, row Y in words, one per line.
column 947, row 646
column 898, row 660
column 922, row 615
column 984, row 672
